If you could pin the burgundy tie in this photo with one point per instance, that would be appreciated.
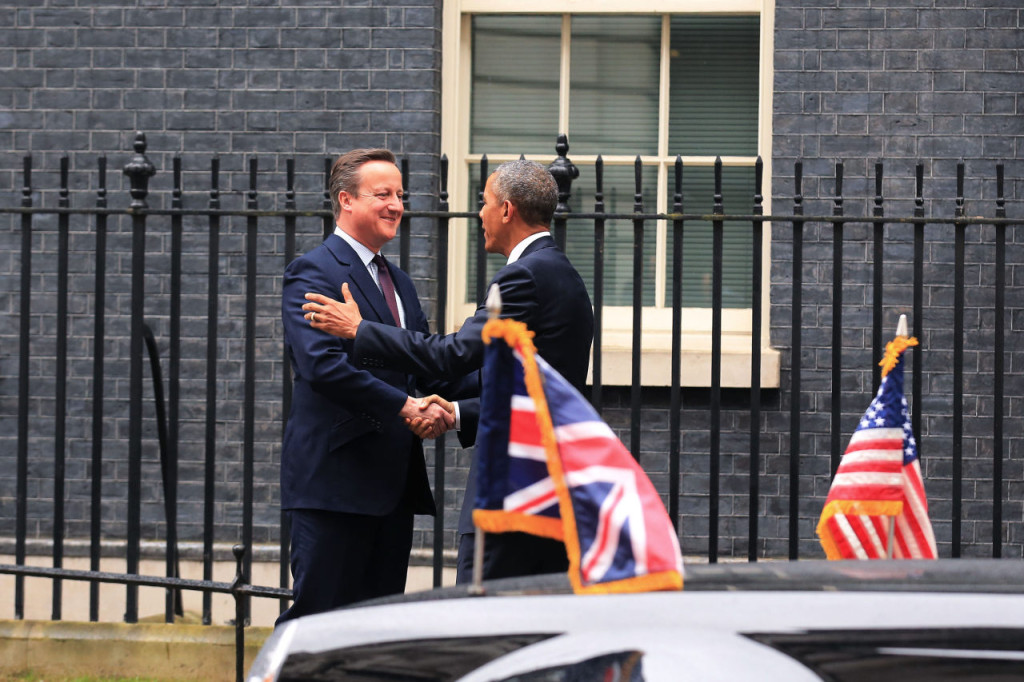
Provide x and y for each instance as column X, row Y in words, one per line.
column 387, row 287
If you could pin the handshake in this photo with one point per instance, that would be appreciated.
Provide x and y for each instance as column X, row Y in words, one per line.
column 428, row 417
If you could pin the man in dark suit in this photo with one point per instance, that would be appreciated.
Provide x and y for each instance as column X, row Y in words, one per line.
column 352, row 472
column 538, row 286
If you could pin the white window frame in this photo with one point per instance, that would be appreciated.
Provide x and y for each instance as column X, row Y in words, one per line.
column 617, row 324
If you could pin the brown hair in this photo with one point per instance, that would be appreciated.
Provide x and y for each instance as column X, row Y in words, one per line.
column 345, row 174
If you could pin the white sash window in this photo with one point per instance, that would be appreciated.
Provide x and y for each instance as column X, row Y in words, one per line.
column 620, row 78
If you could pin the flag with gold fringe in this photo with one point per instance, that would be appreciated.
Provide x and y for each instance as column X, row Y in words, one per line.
column 877, row 495
column 550, row 466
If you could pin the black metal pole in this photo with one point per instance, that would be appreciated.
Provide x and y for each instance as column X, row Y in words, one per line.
column 876, row 289
column 328, row 204
column 638, row 301
column 837, row 323
column 675, row 392
column 441, row 321
column 241, row 580
column 717, row 250
column 403, row 234
column 795, row 329
column 564, row 171
column 61, row 398
column 173, row 605
column 918, row 358
column 161, row 425
column 284, row 573
column 997, row 370
column 596, row 397
column 24, row 350
column 138, row 170
column 210, row 436
column 249, row 426
column 481, row 253
column 756, row 273
column 960, row 235
column 99, row 334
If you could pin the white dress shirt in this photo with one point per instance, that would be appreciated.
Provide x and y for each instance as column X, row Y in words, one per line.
column 366, row 256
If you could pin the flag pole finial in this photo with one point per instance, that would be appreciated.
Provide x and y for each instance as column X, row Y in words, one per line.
column 895, row 348
column 493, row 302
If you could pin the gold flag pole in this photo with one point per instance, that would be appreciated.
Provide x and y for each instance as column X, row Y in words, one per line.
column 493, row 304
column 901, row 330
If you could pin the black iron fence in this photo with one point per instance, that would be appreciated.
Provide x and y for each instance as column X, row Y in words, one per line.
column 220, row 334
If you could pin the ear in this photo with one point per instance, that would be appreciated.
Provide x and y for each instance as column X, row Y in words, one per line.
column 345, row 200
column 508, row 209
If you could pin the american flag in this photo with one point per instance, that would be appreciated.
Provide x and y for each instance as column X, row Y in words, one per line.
column 878, row 482
column 550, row 466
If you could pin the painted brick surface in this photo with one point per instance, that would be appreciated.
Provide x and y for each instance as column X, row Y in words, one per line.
column 901, row 82
column 239, row 81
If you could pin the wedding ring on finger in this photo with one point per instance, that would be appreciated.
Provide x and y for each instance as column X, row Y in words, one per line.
column 312, row 317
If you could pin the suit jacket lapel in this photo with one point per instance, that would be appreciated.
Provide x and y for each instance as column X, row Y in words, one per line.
column 407, row 292
column 359, row 277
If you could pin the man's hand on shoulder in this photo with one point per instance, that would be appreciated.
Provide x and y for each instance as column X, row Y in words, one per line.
column 334, row 317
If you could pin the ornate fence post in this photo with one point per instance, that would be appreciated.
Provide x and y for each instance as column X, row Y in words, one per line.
column 139, row 170
column 238, row 586
column 564, row 171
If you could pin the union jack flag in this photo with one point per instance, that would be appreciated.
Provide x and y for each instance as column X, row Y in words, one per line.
column 550, row 466
column 878, row 487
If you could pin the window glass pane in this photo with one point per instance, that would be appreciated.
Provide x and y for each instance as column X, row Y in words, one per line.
column 698, row 197
column 493, row 261
column 713, row 96
column 613, row 85
column 619, row 185
column 514, row 101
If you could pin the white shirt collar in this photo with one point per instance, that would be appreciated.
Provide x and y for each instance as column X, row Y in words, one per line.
column 517, row 252
column 363, row 251
column 366, row 256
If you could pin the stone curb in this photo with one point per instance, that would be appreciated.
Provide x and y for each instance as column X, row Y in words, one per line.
column 151, row 650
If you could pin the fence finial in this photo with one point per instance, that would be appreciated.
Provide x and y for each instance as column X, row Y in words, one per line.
column 564, row 172
column 139, row 170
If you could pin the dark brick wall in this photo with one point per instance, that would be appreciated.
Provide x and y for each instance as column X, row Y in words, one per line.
column 236, row 80
column 265, row 80
column 898, row 82
column 895, row 81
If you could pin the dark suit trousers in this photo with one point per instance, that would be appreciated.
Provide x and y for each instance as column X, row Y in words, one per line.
column 340, row 558
column 510, row 555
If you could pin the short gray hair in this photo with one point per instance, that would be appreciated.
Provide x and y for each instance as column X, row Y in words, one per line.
column 529, row 187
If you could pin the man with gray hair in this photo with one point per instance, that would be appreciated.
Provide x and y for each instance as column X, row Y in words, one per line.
column 540, row 287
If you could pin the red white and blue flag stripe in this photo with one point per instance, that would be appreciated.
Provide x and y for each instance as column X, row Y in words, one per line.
column 878, row 484
column 561, row 472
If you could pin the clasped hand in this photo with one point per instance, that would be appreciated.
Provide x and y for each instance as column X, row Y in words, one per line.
column 428, row 417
